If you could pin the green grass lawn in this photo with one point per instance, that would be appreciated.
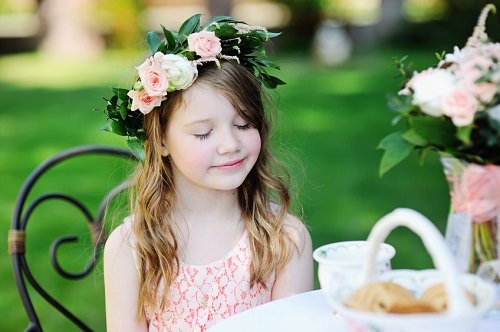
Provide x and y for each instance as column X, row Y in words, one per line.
column 330, row 121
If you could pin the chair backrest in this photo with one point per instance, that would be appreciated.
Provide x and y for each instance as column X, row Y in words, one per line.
column 24, row 209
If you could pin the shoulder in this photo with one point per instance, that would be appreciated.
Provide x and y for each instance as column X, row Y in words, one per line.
column 120, row 241
column 297, row 231
column 121, row 282
column 119, row 253
column 296, row 276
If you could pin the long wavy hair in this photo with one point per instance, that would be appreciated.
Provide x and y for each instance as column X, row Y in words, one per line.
column 263, row 197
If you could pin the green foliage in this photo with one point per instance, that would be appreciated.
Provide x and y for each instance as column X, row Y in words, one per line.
column 153, row 42
column 397, row 148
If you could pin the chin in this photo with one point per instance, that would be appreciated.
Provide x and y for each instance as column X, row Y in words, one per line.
column 228, row 185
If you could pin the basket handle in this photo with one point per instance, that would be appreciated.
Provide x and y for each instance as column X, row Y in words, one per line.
column 434, row 244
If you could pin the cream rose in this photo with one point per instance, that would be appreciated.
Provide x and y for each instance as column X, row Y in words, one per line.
column 205, row 44
column 153, row 77
column 180, row 72
column 429, row 87
column 143, row 102
column 460, row 106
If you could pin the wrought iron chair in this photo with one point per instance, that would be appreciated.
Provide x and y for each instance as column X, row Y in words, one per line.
column 23, row 211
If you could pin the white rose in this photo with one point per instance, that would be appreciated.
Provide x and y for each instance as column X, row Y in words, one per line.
column 181, row 72
column 429, row 87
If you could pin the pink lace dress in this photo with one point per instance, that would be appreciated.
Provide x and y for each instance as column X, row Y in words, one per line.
column 202, row 295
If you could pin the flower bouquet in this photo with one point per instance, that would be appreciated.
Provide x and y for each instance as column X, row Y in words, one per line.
column 454, row 108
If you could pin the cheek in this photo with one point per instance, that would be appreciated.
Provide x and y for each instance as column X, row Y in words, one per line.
column 196, row 155
column 253, row 143
column 188, row 155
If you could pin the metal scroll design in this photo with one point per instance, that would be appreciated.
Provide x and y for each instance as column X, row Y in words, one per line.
column 21, row 215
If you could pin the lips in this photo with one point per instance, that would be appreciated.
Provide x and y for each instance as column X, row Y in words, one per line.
column 231, row 163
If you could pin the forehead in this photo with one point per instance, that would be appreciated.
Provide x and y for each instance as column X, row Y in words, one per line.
column 201, row 102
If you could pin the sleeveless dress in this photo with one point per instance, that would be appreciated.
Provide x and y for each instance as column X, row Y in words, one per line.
column 202, row 295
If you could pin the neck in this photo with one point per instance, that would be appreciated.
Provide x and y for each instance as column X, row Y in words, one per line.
column 204, row 205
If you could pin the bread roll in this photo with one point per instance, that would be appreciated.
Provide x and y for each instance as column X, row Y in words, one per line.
column 437, row 297
column 387, row 297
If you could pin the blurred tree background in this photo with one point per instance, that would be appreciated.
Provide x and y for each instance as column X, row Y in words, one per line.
column 58, row 58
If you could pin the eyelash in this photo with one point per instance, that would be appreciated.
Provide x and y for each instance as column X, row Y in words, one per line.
column 202, row 137
column 246, row 126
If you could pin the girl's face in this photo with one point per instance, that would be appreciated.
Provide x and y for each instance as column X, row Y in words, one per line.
column 209, row 144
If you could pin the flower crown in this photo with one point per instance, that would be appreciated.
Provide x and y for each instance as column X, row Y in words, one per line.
column 173, row 66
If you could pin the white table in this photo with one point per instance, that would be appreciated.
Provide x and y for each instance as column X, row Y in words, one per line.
column 299, row 313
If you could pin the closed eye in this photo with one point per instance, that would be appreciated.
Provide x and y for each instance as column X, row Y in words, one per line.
column 243, row 127
column 202, row 137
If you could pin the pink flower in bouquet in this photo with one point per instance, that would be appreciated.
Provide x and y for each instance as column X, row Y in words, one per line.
column 478, row 192
column 205, row 44
column 471, row 71
column 460, row 105
column 153, row 77
column 485, row 91
column 143, row 102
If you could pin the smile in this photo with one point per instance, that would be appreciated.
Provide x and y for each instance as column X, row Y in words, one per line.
column 231, row 164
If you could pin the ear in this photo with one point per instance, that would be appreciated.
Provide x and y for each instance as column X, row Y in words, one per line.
column 164, row 150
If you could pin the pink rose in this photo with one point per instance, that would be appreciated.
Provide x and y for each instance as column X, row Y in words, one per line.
column 485, row 91
column 143, row 102
column 460, row 106
column 468, row 74
column 205, row 44
column 479, row 62
column 478, row 192
column 153, row 77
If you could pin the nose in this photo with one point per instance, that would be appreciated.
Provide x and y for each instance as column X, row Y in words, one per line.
column 229, row 142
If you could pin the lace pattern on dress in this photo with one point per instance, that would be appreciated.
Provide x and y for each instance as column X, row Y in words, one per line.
column 202, row 295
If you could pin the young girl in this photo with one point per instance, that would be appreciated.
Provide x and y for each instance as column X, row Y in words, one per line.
column 210, row 234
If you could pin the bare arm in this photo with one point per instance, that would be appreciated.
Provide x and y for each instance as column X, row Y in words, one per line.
column 121, row 283
column 297, row 275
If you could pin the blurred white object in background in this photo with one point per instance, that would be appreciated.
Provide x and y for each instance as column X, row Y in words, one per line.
column 68, row 29
column 331, row 45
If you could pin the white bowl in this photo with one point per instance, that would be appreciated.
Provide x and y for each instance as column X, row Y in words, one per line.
column 340, row 265
column 461, row 316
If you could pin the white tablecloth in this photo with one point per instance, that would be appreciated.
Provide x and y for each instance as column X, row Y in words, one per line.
column 299, row 313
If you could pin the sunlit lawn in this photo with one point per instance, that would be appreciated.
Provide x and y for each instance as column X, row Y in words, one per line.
column 329, row 120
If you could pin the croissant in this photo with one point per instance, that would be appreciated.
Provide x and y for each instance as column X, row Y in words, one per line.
column 386, row 297
column 436, row 297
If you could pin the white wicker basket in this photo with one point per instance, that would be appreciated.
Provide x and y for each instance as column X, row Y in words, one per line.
column 461, row 315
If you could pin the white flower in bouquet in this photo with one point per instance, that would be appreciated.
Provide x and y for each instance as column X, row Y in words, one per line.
column 429, row 88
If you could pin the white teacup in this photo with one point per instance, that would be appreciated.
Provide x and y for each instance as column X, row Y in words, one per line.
column 341, row 263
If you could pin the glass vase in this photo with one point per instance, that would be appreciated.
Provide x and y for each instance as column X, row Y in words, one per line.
column 472, row 230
